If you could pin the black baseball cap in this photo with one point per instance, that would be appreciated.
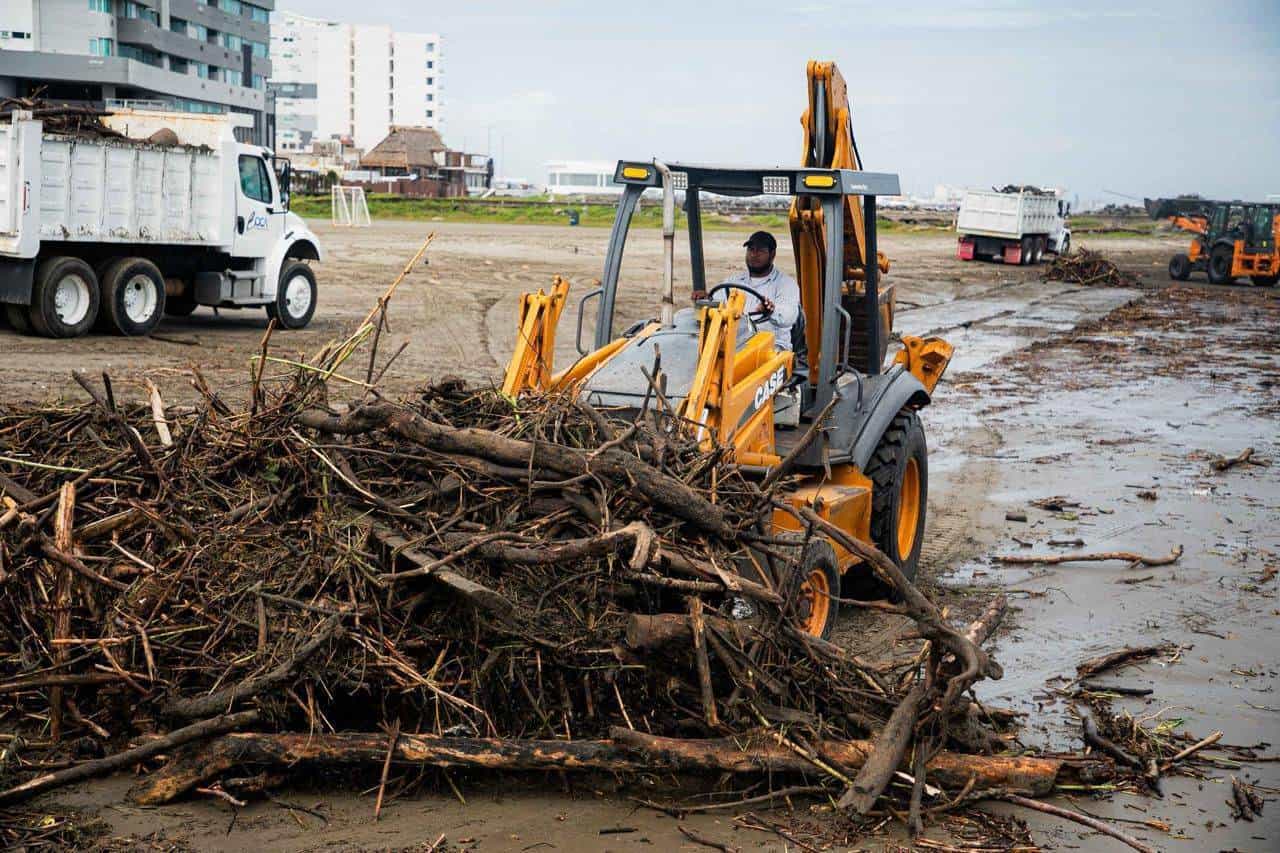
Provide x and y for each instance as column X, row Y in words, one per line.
column 762, row 240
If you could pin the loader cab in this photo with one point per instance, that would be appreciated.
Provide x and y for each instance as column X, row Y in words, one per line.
column 830, row 364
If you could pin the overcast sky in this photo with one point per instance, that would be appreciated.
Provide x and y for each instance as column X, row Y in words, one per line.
column 1140, row 98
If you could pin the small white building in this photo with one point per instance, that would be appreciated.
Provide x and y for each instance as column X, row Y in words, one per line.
column 582, row 177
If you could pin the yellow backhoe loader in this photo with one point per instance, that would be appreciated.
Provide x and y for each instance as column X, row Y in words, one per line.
column 867, row 471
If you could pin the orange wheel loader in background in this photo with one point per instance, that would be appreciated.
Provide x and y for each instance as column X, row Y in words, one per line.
column 868, row 473
column 1233, row 239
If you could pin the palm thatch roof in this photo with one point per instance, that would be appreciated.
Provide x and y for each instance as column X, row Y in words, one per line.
column 405, row 147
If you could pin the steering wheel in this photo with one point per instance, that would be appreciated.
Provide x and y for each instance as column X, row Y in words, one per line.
column 757, row 316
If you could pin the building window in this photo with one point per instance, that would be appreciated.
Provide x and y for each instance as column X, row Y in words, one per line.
column 430, row 65
column 431, row 47
column 139, row 54
column 430, row 97
column 142, row 13
column 231, row 41
column 260, row 49
column 178, row 26
column 430, row 113
column 101, row 47
column 104, row 6
column 231, row 7
column 178, row 65
column 257, row 13
column 259, row 82
column 253, row 178
column 199, row 32
column 202, row 70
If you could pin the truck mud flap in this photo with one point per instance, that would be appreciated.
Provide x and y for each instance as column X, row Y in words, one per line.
column 965, row 249
column 16, row 277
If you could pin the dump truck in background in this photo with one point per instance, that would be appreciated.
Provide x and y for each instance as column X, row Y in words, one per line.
column 117, row 222
column 1017, row 224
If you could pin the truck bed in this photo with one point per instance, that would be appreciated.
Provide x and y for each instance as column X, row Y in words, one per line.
column 86, row 189
column 1008, row 215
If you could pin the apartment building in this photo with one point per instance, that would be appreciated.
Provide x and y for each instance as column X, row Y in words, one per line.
column 351, row 81
column 207, row 56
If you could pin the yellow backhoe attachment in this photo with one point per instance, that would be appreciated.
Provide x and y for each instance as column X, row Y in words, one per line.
column 530, row 365
column 731, row 397
column 829, row 144
column 925, row 358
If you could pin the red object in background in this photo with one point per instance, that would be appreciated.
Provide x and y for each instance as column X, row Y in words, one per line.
column 1013, row 254
column 965, row 249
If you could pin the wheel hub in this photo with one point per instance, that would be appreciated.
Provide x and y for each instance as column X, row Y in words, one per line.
column 908, row 509
column 297, row 296
column 815, row 602
column 71, row 299
column 139, row 298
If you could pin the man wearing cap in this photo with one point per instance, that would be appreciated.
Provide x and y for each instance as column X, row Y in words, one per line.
column 780, row 291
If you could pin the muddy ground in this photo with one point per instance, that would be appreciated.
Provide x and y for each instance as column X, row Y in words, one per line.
column 1093, row 395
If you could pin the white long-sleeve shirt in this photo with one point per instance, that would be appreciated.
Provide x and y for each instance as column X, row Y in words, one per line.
column 780, row 289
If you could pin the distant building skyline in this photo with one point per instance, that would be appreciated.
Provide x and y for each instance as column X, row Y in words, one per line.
column 357, row 81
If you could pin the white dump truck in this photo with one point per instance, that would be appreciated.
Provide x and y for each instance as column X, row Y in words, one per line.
column 116, row 231
column 1017, row 224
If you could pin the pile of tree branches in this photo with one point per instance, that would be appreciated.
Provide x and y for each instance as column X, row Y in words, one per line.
column 1085, row 266
column 456, row 580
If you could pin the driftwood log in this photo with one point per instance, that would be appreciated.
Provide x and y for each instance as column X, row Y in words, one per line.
column 1100, row 557
column 626, row 751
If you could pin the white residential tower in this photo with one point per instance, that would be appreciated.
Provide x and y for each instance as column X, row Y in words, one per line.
column 350, row 80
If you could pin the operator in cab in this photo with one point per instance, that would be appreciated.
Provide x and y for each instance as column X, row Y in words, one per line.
column 780, row 292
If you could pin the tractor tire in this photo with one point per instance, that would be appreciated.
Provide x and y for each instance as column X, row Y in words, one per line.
column 64, row 298
column 295, row 296
column 133, row 297
column 1220, row 265
column 1265, row 280
column 1180, row 267
column 19, row 317
column 899, row 472
column 818, row 606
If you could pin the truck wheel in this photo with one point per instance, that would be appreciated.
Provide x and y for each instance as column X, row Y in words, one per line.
column 1027, row 251
column 818, row 608
column 19, row 316
column 1041, row 243
column 132, row 296
column 64, row 299
column 1180, row 267
column 1220, row 264
column 295, row 296
column 899, row 472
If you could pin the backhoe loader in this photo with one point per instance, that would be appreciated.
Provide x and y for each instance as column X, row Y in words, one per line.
column 867, row 470
column 1232, row 239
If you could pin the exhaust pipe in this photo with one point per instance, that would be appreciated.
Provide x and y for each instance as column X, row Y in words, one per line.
column 667, row 311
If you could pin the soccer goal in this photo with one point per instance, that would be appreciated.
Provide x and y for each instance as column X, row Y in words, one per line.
column 348, row 206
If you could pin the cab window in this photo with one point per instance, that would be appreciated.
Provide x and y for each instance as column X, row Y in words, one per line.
column 253, row 178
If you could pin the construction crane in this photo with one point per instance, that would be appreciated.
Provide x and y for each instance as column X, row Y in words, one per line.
column 1233, row 239
column 846, row 423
